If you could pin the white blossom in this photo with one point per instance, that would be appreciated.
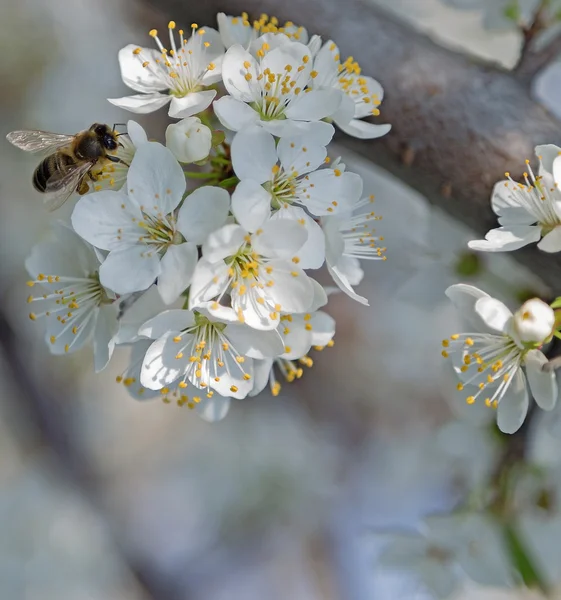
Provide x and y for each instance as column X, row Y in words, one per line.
column 180, row 74
column 360, row 95
column 257, row 267
column 490, row 361
column 527, row 211
column 348, row 238
column 290, row 173
column 213, row 354
column 145, row 238
column 77, row 308
column 189, row 140
column 271, row 90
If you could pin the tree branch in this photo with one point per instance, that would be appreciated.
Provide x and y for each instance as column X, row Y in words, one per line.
column 458, row 123
column 532, row 62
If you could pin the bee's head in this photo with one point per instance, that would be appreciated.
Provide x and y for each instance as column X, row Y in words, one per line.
column 105, row 135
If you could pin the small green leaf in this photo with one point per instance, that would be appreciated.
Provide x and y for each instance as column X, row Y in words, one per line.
column 521, row 559
column 556, row 303
column 512, row 11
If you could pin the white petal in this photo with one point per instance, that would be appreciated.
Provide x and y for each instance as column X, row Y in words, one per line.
column 328, row 191
column 155, row 180
column 494, row 313
column 318, row 131
column 144, row 308
column 291, row 54
column 323, row 328
column 175, row 320
column 314, row 105
column 177, row 268
column 341, row 280
column 160, row 367
column 130, row 269
column 506, row 205
column 279, row 238
column 547, row 153
column 191, row 104
column 464, row 298
column 292, row 288
column 205, row 210
column 251, row 204
column 261, row 372
column 513, row 407
column 320, row 296
column 213, row 409
column 300, row 155
column 189, row 140
column 234, row 33
column 312, row 254
column 141, row 104
column 234, row 72
column 557, row 170
column 334, row 241
column 364, row 130
column 209, row 280
column 507, row 238
column 346, row 111
column 234, row 114
column 106, row 327
column 551, row 241
column 136, row 133
column 543, row 384
column 253, row 343
column 224, row 242
column 254, row 154
column 137, row 77
column 297, row 340
column 98, row 217
column 256, row 312
column 351, row 268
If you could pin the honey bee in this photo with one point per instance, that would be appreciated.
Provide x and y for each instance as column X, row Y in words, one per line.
column 71, row 161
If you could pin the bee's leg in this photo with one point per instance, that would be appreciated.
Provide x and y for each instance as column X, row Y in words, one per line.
column 83, row 187
column 116, row 159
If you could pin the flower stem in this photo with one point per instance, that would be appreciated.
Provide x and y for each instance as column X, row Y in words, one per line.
column 522, row 560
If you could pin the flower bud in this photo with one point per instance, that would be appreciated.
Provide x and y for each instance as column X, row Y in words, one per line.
column 534, row 321
column 189, row 140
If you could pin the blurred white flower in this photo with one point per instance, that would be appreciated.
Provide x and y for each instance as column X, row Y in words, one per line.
column 530, row 211
column 449, row 548
column 501, row 14
column 78, row 309
column 349, row 238
column 491, row 362
column 189, row 140
column 180, row 75
column 253, row 265
column 534, row 321
column 213, row 354
column 360, row 95
column 270, row 90
column 144, row 237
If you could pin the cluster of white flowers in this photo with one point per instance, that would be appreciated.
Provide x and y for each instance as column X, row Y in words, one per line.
column 491, row 362
column 209, row 284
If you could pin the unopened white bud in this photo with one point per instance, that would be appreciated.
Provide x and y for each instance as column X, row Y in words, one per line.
column 189, row 140
column 534, row 321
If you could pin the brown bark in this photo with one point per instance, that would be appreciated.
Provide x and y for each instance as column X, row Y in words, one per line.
column 458, row 123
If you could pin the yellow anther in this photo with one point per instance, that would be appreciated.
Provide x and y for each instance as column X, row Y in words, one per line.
column 182, row 384
column 32, row 316
column 470, row 399
column 153, row 33
column 177, row 339
column 469, row 342
column 460, row 387
column 137, row 51
column 171, row 25
column 240, row 359
column 337, row 172
column 233, row 388
column 179, row 355
column 454, row 337
column 247, row 376
column 445, row 343
column 444, row 354
column 164, row 391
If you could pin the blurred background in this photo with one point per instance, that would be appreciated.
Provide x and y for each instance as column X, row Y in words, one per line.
column 102, row 497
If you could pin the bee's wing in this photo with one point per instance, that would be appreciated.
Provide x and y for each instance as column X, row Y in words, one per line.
column 62, row 184
column 39, row 141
